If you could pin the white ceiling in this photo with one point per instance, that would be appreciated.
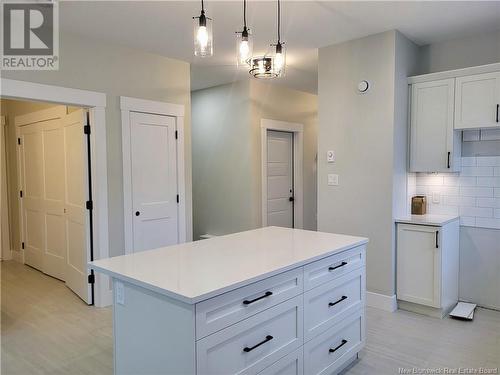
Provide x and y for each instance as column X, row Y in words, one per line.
column 165, row 28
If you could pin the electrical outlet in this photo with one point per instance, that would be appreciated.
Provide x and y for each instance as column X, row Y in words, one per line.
column 333, row 179
column 119, row 293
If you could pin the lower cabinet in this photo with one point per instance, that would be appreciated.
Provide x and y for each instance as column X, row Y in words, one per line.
column 320, row 330
column 427, row 267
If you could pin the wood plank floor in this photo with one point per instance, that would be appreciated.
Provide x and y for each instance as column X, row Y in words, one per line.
column 46, row 329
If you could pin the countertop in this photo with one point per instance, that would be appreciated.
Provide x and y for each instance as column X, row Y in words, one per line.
column 194, row 271
column 434, row 220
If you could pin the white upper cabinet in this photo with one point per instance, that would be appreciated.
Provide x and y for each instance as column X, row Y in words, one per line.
column 434, row 146
column 477, row 101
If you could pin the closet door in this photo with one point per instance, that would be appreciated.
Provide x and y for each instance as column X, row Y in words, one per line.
column 477, row 101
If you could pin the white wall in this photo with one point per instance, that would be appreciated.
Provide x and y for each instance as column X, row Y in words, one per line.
column 226, row 152
column 367, row 133
column 114, row 70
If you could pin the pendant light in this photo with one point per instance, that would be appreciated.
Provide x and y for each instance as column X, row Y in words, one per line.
column 203, row 41
column 244, row 41
column 280, row 52
column 270, row 65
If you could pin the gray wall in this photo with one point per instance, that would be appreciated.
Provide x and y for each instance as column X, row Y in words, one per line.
column 460, row 53
column 114, row 70
column 368, row 136
column 226, row 152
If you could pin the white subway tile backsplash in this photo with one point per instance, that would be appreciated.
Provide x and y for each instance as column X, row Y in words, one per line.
column 476, row 211
column 467, row 181
column 469, row 161
column 474, row 193
column 468, row 221
column 488, row 181
column 488, row 202
column 477, row 171
column 488, row 161
column 492, row 223
column 490, row 134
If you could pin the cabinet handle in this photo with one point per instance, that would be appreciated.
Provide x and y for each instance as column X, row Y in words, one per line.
column 248, row 302
column 267, row 339
column 338, row 346
column 340, row 265
column 449, row 154
column 498, row 105
column 437, row 239
column 340, row 300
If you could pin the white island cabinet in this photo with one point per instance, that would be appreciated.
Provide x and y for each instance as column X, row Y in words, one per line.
column 267, row 301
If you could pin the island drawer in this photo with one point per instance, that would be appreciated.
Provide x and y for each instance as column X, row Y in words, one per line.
column 220, row 312
column 250, row 346
column 332, row 302
column 329, row 268
column 291, row 364
column 326, row 353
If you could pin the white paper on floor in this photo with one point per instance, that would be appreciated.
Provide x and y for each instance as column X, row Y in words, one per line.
column 464, row 311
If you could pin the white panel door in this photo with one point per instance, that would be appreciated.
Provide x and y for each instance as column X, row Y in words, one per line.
column 154, row 181
column 32, row 195
column 77, row 226
column 280, row 179
column 419, row 264
column 477, row 101
column 432, row 147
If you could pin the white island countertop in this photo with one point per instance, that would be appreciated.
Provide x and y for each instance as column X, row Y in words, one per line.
column 433, row 220
column 195, row 271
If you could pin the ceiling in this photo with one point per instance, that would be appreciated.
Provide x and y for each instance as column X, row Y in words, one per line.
column 165, row 28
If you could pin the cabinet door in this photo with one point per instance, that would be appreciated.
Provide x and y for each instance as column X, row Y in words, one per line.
column 477, row 100
column 433, row 144
column 419, row 264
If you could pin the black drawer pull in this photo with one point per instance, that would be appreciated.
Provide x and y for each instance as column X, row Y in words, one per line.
column 267, row 339
column 449, row 154
column 340, row 265
column 248, row 302
column 340, row 300
column 437, row 239
column 338, row 347
column 498, row 106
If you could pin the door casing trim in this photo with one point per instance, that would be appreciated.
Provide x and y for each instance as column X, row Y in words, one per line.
column 298, row 165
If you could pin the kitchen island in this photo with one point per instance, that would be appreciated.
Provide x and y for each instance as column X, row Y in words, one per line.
column 266, row 301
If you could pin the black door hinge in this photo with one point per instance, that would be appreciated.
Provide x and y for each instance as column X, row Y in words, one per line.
column 176, row 134
column 91, row 278
column 178, row 198
column 86, row 129
column 21, row 193
column 18, row 141
column 89, row 205
column 22, row 245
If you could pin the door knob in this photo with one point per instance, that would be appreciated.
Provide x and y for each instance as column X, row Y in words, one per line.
column 291, row 199
column 137, row 213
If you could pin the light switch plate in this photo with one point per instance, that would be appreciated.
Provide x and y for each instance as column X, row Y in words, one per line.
column 333, row 179
column 330, row 156
column 436, row 197
column 119, row 293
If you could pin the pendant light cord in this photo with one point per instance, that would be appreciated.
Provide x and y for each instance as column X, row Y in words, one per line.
column 279, row 21
column 202, row 6
column 244, row 14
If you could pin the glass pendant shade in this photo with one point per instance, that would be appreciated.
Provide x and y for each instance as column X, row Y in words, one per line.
column 280, row 60
column 262, row 67
column 244, row 48
column 203, row 39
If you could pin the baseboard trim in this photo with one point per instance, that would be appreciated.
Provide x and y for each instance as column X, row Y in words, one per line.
column 381, row 301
